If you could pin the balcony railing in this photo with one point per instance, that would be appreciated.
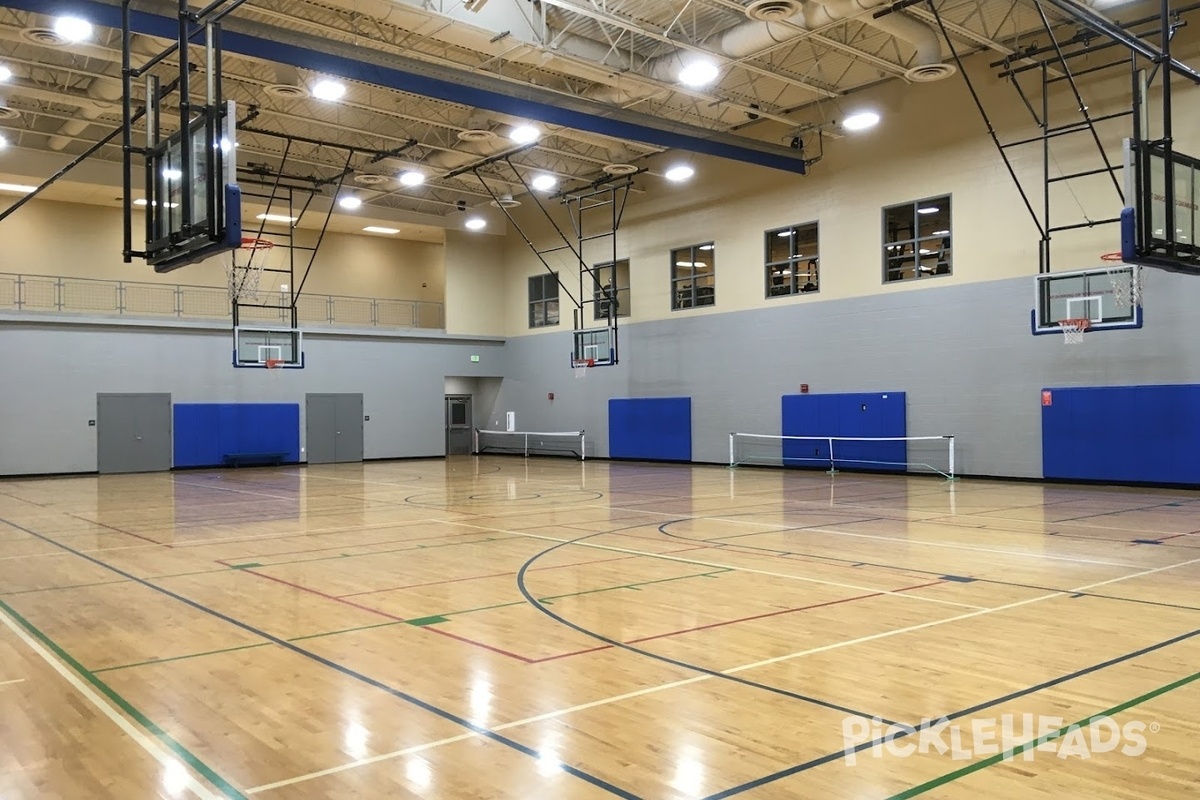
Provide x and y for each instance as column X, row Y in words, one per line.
column 161, row 301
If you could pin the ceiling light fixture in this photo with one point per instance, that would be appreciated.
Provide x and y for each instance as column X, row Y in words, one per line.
column 544, row 183
column 524, row 134
column 941, row 233
column 785, row 234
column 860, row 121
column 476, row 223
column 699, row 72
column 928, row 210
column 5, row 73
column 73, row 29
column 379, row 229
column 276, row 218
column 679, row 173
column 706, row 246
column 411, row 178
column 18, row 188
column 172, row 174
column 141, row 201
column 350, row 202
column 3, row 141
column 328, row 90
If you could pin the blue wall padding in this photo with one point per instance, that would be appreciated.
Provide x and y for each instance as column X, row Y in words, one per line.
column 650, row 428
column 207, row 432
column 871, row 414
column 1123, row 433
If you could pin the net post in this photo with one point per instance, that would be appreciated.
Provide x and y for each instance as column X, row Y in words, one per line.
column 582, row 446
column 832, row 465
column 731, row 451
column 951, row 438
column 526, row 437
column 475, row 441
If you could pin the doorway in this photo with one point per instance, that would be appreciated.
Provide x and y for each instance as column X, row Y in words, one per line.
column 133, row 433
column 458, row 425
column 333, row 428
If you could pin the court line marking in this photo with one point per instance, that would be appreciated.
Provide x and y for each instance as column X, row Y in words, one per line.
column 156, row 750
column 698, row 563
column 696, row 679
column 11, row 682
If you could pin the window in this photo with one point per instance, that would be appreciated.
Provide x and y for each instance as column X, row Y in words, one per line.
column 792, row 260
column 916, row 240
column 612, row 287
column 543, row 300
column 693, row 276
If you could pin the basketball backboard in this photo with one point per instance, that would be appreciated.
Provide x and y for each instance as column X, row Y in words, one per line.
column 255, row 347
column 595, row 345
column 193, row 206
column 1161, row 226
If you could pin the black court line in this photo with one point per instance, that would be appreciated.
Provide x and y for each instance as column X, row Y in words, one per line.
column 533, row 601
column 909, row 730
column 408, row 698
column 716, row 544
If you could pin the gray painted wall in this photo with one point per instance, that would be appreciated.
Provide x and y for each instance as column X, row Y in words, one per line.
column 964, row 354
column 53, row 371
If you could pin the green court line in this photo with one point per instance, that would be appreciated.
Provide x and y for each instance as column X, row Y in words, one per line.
column 181, row 658
column 421, row 622
column 1049, row 737
column 250, row 565
column 61, row 588
column 228, row 789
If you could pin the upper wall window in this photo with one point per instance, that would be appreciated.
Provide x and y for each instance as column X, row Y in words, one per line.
column 694, row 276
column 612, row 289
column 793, row 262
column 543, row 300
column 916, row 239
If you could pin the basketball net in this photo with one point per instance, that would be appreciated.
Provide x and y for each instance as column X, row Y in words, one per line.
column 1126, row 285
column 1073, row 330
column 244, row 268
column 581, row 366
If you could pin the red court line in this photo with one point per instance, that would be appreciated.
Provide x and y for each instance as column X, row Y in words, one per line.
column 502, row 574
column 434, row 629
column 319, row 593
column 742, row 619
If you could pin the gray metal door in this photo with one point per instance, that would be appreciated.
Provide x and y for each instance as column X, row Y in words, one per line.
column 458, row 425
column 333, row 428
column 133, row 433
column 349, row 430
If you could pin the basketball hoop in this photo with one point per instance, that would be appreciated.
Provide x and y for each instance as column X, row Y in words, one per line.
column 581, row 366
column 273, row 363
column 244, row 267
column 1074, row 329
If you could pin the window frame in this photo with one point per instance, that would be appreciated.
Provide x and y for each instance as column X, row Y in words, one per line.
column 941, row 254
column 793, row 261
column 693, row 293
column 539, row 316
column 623, row 294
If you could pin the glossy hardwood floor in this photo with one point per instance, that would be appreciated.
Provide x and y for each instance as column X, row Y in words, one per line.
column 508, row 628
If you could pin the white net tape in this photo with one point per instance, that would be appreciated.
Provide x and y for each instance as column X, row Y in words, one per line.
column 1073, row 330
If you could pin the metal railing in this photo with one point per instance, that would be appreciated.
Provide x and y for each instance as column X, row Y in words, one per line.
column 180, row 301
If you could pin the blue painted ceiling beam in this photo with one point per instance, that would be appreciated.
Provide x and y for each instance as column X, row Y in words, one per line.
column 255, row 40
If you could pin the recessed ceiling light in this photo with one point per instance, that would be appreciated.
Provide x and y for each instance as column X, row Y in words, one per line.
column 3, row 142
column 73, row 29
column 5, row 73
column 544, row 183
column 378, row 229
column 699, row 72
column 350, row 202
column 925, row 252
column 928, row 210
column 860, row 121
column 141, row 201
column 328, row 90
column 680, row 172
column 524, row 134
column 685, row 263
column 412, row 178
column 707, row 246
column 172, row 174
column 19, row 188
column 476, row 223
column 941, row 233
column 276, row 218
column 785, row 234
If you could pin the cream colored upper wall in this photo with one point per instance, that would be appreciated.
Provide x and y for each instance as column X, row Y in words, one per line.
column 475, row 283
column 75, row 240
column 931, row 141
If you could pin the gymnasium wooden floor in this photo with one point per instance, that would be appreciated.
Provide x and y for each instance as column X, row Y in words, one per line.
column 508, row 628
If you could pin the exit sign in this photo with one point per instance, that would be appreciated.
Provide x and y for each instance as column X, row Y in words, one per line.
column 474, row 359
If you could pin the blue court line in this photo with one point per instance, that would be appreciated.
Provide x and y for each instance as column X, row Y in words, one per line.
column 830, row 757
column 408, row 698
column 533, row 601
column 854, row 562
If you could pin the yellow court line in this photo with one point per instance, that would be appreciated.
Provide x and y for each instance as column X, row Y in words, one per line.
column 156, row 750
column 10, row 683
column 664, row 557
column 699, row 678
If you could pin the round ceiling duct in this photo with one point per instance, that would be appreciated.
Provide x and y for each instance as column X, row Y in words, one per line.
column 370, row 179
column 929, row 73
column 773, row 10
column 46, row 37
column 288, row 91
column 476, row 135
column 620, row 169
column 505, row 201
